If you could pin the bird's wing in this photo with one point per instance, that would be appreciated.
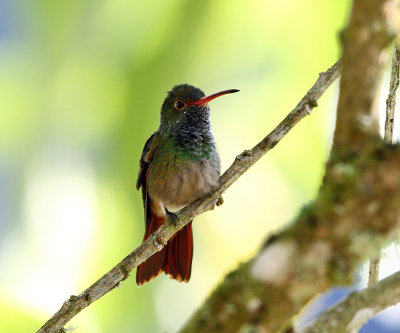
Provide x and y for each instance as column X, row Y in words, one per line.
column 152, row 266
column 145, row 160
column 142, row 182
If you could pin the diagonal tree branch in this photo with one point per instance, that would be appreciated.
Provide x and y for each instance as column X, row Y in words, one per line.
column 157, row 240
column 356, row 309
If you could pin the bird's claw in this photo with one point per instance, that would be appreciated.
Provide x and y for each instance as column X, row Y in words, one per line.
column 173, row 217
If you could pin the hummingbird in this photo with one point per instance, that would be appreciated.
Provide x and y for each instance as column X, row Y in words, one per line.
column 178, row 165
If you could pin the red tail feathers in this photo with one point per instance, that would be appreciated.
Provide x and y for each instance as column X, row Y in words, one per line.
column 174, row 259
column 178, row 263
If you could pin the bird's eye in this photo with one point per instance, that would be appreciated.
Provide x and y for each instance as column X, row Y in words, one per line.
column 179, row 105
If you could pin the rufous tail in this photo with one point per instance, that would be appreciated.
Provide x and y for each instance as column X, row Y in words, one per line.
column 174, row 259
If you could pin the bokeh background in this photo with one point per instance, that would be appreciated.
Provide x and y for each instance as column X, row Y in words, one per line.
column 81, row 85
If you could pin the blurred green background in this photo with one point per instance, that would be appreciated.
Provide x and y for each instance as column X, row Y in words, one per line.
column 81, row 86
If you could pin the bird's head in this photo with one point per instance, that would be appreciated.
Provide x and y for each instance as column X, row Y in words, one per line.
column 186, row 105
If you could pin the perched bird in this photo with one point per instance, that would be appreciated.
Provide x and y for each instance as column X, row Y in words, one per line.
column 179, row 164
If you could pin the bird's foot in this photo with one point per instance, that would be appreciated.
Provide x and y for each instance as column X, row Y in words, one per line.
column 173, row 217
column 220, row 201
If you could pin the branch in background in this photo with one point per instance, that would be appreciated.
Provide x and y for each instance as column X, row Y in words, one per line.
column 157, row 240
column 374, row 260
column 356, row 309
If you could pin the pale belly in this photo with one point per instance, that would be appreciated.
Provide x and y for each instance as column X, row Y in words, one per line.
column 177, row 184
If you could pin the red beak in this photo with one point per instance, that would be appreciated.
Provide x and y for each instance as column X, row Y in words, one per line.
column 206, row 99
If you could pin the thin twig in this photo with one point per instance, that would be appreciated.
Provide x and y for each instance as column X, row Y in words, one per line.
column 374, row 261
column 357, row 308
column 158, row 239
column 391, row 100
column 373, row 271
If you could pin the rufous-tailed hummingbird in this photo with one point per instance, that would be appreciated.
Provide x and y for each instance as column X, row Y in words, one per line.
column 179, row 164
